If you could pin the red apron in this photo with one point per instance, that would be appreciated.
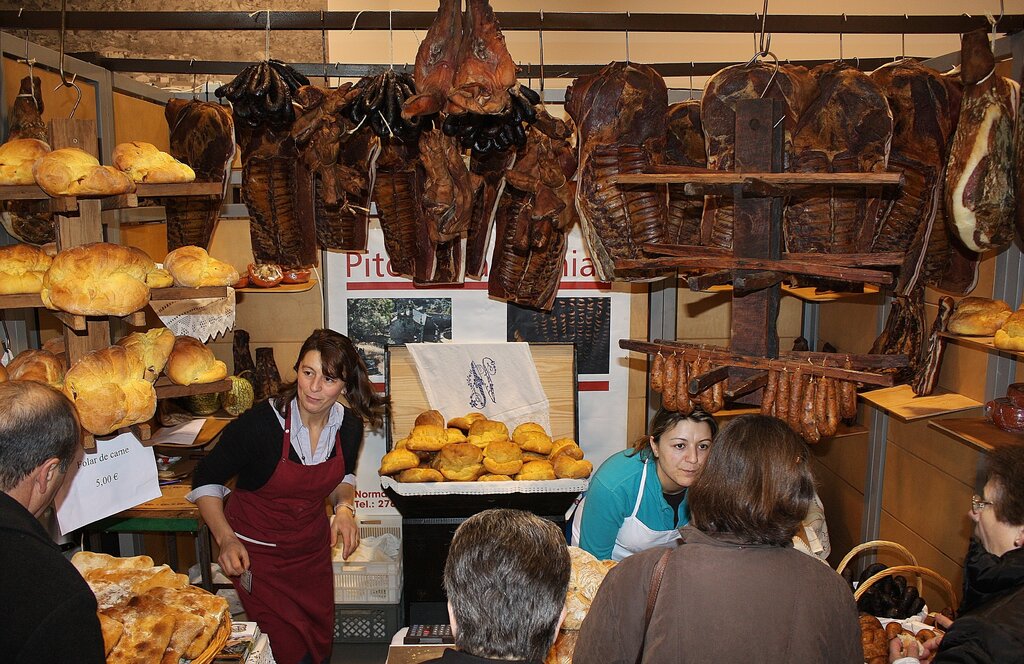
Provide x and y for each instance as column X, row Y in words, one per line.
column 292, row 596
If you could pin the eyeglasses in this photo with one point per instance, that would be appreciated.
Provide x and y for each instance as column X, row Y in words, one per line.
column 978, row 503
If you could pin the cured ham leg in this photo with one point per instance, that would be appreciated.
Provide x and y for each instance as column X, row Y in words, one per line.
column 202, row 135
column 28, row 221
column 398, row 206
column 436, row 61
column 489, row 169
column 684, row 147
column 485, row 71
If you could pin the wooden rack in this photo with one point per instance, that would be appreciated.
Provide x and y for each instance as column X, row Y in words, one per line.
column 756, row 266
column 78, row 222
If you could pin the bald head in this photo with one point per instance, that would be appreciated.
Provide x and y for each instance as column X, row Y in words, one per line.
column 36, row 423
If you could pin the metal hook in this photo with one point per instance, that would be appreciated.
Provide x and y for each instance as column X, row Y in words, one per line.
column 323, row 47
column 627, row 38
column 358, row 14
column 391, row 42
column 763, row 45
column 60, row 65
column 540, row 39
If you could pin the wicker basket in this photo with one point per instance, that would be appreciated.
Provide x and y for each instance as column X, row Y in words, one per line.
column 921, row 572
column 878, row 544
column 220, row 637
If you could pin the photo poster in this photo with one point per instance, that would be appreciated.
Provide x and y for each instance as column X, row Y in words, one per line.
column 375, row 307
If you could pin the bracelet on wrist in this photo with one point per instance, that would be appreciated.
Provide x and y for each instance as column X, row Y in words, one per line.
column 349, row 506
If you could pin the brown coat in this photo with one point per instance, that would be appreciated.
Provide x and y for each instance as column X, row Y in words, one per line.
column 721, row 601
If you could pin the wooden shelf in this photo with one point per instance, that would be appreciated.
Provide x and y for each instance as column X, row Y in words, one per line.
column 144, row 190
column 807, row 293
column 983, row 343
column 977, row 432
column 280, row 288
column 901, row 402
column 211, row 429
column 166, row 389
column 142, row 431
column 176, row 293
column 21, row 301
column 845, row 431
column 730, row 178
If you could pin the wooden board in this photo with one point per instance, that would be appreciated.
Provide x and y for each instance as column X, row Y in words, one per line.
column 901, row 402
column 556, row 367
column 983, row 343
column 165, row 388
column 170, row 505
column 179, row 293
column 977, row 432
column 810, row 294
column 280, row 288
column 211, row 429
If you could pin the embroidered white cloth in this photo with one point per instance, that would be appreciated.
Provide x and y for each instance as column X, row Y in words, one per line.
column 498, row 380
column 203, row 318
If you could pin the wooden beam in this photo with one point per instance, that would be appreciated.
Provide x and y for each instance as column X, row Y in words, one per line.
column 881, row 259
column 686, row 250
column 72, row 321
column 20, row 301
column 702, row 382
column 730, row 178
column 147, row 190
column 702, row 282
column 824, row 271
column 755, row 381
column 752, row 281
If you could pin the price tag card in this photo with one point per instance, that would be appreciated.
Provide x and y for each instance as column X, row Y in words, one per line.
column 118, row 475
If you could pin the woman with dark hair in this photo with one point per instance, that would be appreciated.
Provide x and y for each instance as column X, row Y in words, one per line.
column 735, row 589
column 290, row 455
column 990, row 627
column 637, row 498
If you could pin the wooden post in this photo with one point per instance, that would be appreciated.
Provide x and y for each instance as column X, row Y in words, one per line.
column 757, row 233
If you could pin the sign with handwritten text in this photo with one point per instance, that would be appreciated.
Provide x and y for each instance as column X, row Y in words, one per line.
column 118, row 475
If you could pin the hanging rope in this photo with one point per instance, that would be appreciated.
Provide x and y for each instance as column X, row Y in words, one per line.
column 627, row 38
column 540, row 33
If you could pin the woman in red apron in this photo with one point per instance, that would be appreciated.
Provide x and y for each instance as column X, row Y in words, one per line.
column 289, row 455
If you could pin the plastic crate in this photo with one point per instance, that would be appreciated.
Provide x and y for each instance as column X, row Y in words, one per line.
column 368, row 623
column 373, row 582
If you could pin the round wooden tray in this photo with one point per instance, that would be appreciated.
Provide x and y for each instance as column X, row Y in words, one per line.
column 220, row 637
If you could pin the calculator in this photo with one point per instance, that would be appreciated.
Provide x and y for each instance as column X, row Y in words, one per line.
column 423, row 634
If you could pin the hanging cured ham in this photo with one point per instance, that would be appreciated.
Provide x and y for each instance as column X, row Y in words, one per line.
column 535, row 214
column 397, row 192
column 620, row 116
column 925, row 107
column 28, row 221
column 485, row 70
column 790, row 85
column 202, row 135
column 436, row 61
column 684, row 146
column 447, row 200
column 336, row 168
column 846, row 128
column 488, row 173
column 979, row 186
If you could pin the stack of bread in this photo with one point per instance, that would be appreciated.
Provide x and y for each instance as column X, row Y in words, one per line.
column 978, row 316
column 150, row 614
column 473, row 448
column 109, row 389
column 585, row 578
column 1011, row 335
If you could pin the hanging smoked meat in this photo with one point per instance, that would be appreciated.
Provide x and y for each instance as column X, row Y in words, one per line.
column 485, row 71
column 28, row 221
column 397, row 191
column 790, row 85
column 266, row 381
column 846, row 128
column 534, row 216
column 436, row 61
column 202, row 135
column 979, row 176
column 336, row 167
column 684, row 146
column 447, row 206
column 488, row 171
column 620, row 116
column 925, row 108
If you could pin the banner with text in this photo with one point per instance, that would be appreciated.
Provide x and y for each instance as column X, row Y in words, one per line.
column 376, row 307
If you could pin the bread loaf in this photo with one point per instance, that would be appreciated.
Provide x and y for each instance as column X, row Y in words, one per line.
column 978, row 316
column 152, row 347
column 109, row 390
column 192, row 362
column 22, row 267
column 74, row 172
column 143, row 162
column 192, row 267
column 42, row 366
column 16, row 160
column 98, row 279
column 1011, row 335
column 460, row 462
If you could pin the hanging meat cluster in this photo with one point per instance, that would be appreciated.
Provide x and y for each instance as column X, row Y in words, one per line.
column 812, row 405
column 671, row 376
column 379, row 102
column 262, row 93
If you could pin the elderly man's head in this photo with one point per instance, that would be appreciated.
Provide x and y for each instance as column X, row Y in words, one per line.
column 998, row 513
column 38, row 441
column 506, row 577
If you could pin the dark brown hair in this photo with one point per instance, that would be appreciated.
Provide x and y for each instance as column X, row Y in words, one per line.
column 755, row 483
column 38, row 423
column 1006, row 468
column 340, row 360
column 506, row 577
column 666, row 420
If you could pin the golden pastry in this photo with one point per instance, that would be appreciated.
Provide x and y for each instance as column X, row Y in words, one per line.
column 398, row 460
column 430, row 417
column 460, row 462
column 484, row 432
column 536, row 470
column 568, row 468
column 566, row 446
column 503, row 457
column 466, row 421
column 420, row 475
column 534, row 441
column 427, row 438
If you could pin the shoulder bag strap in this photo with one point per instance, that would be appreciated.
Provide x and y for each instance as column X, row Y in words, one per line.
column 652, row 598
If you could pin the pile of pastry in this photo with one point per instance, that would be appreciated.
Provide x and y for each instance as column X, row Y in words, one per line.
column 982, row 317
column 476, row 449
column 150, row 614
column 875, row 638
column 113, row 387
column 103, row 279
column 585, row 578
column 75, row 172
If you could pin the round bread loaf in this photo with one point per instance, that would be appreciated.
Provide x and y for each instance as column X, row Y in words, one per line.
column 536, row 470
column 109, row 390
column 524, row 427
column 430, row 417
column 16, row 159
column 465, row 422
column 453, row 435
column 503, row 457
column 490, row 477
column 22, row 267
column 98, row 279
column 568, row 468
column 566, row 446
column 534, row 441
column 153, row 347
column 143, row 162
column 484, row 432
column 193, row 267
column 1011, row 335
column 192, row 362
column 420, row 475
column 398, row 460
column 41, row 366
column 978, row 316
column 427, row 438
column 460, row 462
column 74, row 172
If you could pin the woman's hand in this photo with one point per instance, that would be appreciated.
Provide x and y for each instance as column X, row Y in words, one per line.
column 345, row 529
column 233, row 558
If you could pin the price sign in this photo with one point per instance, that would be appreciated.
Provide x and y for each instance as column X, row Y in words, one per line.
column 118, row 475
